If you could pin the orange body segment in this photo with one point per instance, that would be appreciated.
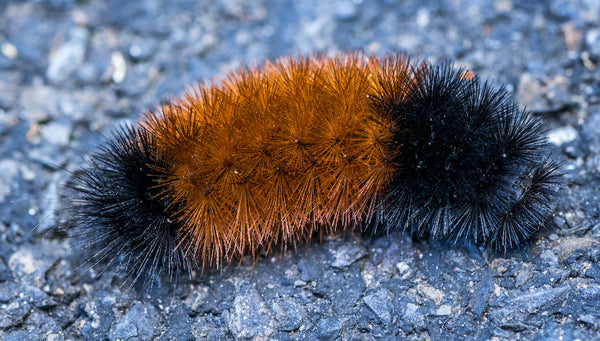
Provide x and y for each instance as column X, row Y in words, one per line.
column 273, row 153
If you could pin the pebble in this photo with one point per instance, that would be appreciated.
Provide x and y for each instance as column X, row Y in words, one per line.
column 38, row 298
column 431, row 292
column 381, row 304
column 413, row 316
column 288, row 313
column 534, row 301
column 69, row 56
column 562, row 135
column 119, row 67
column 346, row 254
column 592, row 40
column 9, row 94
column 345, row 10
column 9, row 170
column 57, row 133
column 329, row 328
column 30, row 263
column 39, row 102
column 141, row 322
column 142, row 50
column 97, row 317
column 249, row 316
column 549, row 258
column 444, row 310
column 9, row 50
column 13, row 314
column 589, row 319
column 180, row 326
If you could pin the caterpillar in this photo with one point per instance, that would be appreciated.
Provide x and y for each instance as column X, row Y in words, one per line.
column 269, row 155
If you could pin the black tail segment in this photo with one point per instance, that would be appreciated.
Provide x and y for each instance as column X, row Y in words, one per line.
column 471, row 165
column 120, row 213
column 531, row 205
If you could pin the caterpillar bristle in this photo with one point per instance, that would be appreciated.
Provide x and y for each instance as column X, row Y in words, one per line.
column 120, row 213
column 270, row 155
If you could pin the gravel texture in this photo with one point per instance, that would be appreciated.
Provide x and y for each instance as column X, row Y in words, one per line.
column 72, row 71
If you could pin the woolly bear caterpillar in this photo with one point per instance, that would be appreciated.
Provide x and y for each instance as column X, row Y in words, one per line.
column 272, row 154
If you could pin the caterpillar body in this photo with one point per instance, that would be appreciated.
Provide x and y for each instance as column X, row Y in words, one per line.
column 270, row 155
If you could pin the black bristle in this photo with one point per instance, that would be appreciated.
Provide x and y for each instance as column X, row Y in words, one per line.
column 530, row 206
column 120, row 215
column 471, row 165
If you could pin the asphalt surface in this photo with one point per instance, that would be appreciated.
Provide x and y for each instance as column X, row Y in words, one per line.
column 73, row 71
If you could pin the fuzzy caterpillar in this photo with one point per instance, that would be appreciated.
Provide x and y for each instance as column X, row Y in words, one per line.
column 270, row 155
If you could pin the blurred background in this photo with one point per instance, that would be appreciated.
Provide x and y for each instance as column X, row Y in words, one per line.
column 73, row 71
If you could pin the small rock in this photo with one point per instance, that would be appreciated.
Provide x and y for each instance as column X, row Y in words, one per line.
column 346, row 254
column 549, row 257
column 593, row 271
column 423, row 17
column 119, row 65
column 402, row 268
column 180, row 326
column 503, row 6
column 50, row 157
column 542, row 94
column 9, row 170
column 413, row 316
column 9, row 93
column 431, row 292
column 97, row 317
column 289, row 314
column 56, row 133
column 249, row 316
column 14, row 313
column 499, row 332
column 69, row 56
column 345, row 10
column 329, row 328
column 9, row 50
column 589, row 319
column 24, row 262
column 198, row 299
column 524, row 275
column 444, row 310
column 532, row 301
column 142, row 50
column 141, row 322
column 8, row 292
column 30, row 262
column 39, row 102
column 592, row 40
column 480, row 296
column 531, row 92
column 38, row 298
column 207, row 300
column 572, row 35
column 381, row 304
column 562, row 135
column 299, row 283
